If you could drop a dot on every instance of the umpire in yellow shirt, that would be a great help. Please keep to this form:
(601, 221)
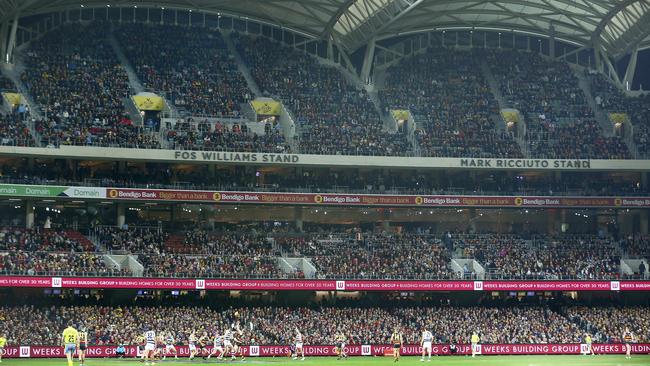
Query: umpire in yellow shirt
(70, 342)
(475, 339)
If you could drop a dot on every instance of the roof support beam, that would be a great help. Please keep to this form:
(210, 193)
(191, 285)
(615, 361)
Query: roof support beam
(630, 70)
(377, 22)
(11, 45)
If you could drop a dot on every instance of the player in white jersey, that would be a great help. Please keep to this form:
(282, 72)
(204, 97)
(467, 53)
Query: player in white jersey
(149, 347)
(192, 344)
(217, 346)
(299, 349)
(169, 346)
(228, 347)
(236, 342)
(427, 339)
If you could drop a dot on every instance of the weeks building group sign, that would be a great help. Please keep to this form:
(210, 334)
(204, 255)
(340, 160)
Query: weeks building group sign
(352, 350)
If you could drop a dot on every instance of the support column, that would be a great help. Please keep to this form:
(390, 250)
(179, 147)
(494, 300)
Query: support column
(367, 61)
(121, 215)
(29, 214)
(643, 222)
(298, 217)
(4, 33)
(12, 40)
(630, 70)
(551, 41)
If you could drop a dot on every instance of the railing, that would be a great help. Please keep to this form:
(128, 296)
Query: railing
(108, 182)
(449, 277)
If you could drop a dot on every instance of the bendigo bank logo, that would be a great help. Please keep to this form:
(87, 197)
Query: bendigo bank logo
(112, 193)
(216, 196)
(318, 198)
(418, 200)
(519, 201)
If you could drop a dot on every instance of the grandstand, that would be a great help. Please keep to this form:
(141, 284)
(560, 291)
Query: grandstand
(324, 172)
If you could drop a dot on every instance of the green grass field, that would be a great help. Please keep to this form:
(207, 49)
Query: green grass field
(609, 360)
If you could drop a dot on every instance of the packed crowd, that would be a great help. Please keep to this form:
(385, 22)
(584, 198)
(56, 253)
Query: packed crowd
(335, 118)
(373, 256)
(188, 135)
(32, 325)
(254, 252)
(559, 121)
(190, 66)
(131, 240)
(76, 78)
(612, 100)
(607, 324)
(55, 264)
(446, 89)
(566, 257)
(14, 131)
(30, 240)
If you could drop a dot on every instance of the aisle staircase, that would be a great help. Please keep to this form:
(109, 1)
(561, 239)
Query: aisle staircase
(241, 66)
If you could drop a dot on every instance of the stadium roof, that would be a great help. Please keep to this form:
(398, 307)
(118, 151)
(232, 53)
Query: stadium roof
(620, 25)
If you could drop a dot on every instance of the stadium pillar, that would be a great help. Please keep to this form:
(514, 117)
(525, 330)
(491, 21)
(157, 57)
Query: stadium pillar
(367, 61)
(4, 29)
(12, 40)
(643, 222)
(551, 41)
(644, 180)
(630, 70)
(121, 215)
(29, 214)
(298, 217)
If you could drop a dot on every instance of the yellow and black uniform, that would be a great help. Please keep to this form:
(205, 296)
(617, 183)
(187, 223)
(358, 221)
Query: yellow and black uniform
(588, 339)
(70, 336)
(396, 340)
(83, 341)
(3, 342)
(627, 337)
(475, 339)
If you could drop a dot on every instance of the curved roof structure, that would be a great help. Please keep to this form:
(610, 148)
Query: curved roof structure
(619, 26)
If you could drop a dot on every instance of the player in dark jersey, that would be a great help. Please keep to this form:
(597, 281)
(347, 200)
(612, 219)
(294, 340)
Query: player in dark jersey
(628, 339)
(83, 346)
(396, 340)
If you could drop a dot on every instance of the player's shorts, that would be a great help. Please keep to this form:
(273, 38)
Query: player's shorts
(217, 348)
(150, 347)
(397, 346)
(70, 348)
(426, 345)
(299, 345)
(192, 347)
(169, 346)
(341, 346)
(227, 344)
(82, 346)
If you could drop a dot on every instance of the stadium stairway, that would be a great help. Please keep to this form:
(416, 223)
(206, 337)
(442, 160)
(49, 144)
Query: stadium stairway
(13, 73)
(501, 101)
(601, 116)
(241, 66)
(134, 81)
